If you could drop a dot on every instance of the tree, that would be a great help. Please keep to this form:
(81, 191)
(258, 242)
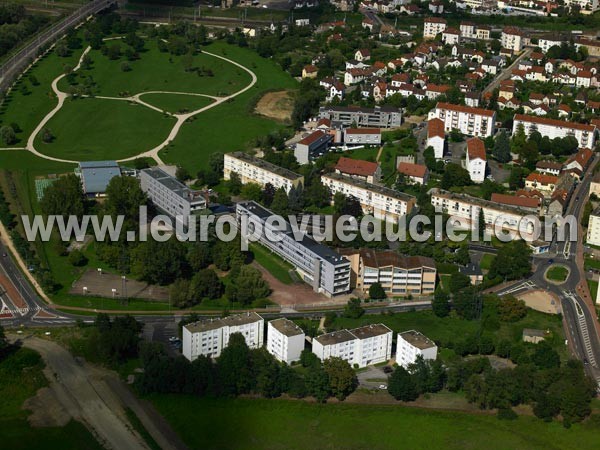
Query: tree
(280, 204)
(309, 359)
(467, 303)
(461, 256)
(159, 262)
(124, 196)
(251, 191)
(376, 292)
(458, 281)
(512, 261)
(545, 356)
(233, 367)
(125, 66)
(511, 309)
(180, 294)
(64, 197)
(455, 175)
(199, 256)
(235, 183)
(206, 283)
(268, 194)
(401, 385)
(342, 379)
(216, 162)
(353, 310)
(247, 285)
(440, 303)
(501, 149)
(8, 135)
(182, 174)
(77, 258)
(317, 383)
(47, 136)
(118, 339)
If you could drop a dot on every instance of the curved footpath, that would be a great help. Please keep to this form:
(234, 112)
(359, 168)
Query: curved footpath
(153, 152)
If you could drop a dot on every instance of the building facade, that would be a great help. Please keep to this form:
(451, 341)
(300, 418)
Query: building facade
(468, 120)
(312, 146)
(476, 160)
(553, 128)
(324, 269)
(171, 195)
(350, 116)
(285, 340)
(256, 170)
(410, 345)
(399, 276)
(593, 232)
(433, 26)
(381, 202)
(210, 336)
(436, 137)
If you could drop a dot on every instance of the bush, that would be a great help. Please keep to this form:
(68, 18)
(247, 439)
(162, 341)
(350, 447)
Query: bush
(77, 258)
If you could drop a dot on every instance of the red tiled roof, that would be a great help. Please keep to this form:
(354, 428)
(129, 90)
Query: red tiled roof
(514, 200)
(476, 148)
(542, 178)
(435, 127)
(356, 167)
(412, 170)
(465, 109)
(310, 68)
(583, 157)
(313, 137)
(554, 122)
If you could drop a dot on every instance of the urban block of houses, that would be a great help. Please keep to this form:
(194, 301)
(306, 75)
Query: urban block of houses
(209, 337)
(363, 170)
(324, 269)
(470, 121)
(255, 170)
(399, 276)
(476, 160)
(381, 202)
(554, 128)
(412, 344)
(285, 340)
(361, 347)
(540, 182)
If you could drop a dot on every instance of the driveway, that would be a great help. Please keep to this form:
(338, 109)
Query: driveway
(372, 377)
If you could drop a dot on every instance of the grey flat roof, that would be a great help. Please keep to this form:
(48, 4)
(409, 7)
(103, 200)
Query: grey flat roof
(173, 184)
(417, 339)
(369, 331)
(371, 187)
(318, 249)
(97, 174)
(220, 322)
(335, 337)
(265, 165)
(286, 327)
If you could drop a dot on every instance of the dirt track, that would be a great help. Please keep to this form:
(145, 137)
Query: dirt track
(97, 398)
(276, 105)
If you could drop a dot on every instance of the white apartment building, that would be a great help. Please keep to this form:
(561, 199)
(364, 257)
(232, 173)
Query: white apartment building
(285, 340)
(553, 128)
(170, 195)
(480, 4)
(547, 42)
(324, 269)
(468, 120)
(593, 231)
(433, 26)
(209, 337)
(463, 209)
(436, 137)
(512, 38)
(411, 344)
(256, 170)
(587, 6)
(362, 136)
(381, 202)
(476, 160)
(364, 346)
(468, 30)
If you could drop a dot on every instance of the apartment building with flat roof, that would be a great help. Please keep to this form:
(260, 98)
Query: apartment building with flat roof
(381, 202)
(285, 340)
(354, 116)
(255, 170)
(554, 128)
(209, 337)
(411, 344)
(466, 119)
(324, 269)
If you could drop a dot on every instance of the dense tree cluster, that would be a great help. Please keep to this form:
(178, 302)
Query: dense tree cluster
(240, 370)
(16, 25)
(418, 378)
(117, 340)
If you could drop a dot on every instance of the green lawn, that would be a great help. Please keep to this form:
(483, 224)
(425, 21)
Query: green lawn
(593, 286)
(156, 71)
(96, 129)
(230, 126)
(557, 273)
(277, 424)
(21, 375)
(272, 262)
(486, 261)
(591, 263)
(175, 103)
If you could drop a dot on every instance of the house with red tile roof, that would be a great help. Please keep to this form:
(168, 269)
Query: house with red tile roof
(476, 160)
(416, 173)
(356, 168)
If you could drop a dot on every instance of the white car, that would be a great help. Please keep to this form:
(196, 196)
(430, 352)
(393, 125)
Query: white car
(383, 386)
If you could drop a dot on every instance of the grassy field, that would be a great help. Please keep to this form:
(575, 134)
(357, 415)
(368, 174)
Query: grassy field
(486, 261)
(21, 375)
(156, 71)
(277, 424)
(230, 126)
(593, 286)
(175, 103)
(557, 273)
(97, 129)
(273, 263)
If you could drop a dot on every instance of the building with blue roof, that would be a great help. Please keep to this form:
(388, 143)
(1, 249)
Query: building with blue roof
(95, 175)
